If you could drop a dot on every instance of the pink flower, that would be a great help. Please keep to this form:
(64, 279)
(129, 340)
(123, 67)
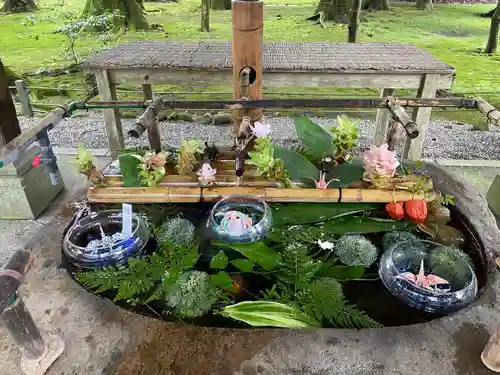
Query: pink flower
(260, 130)
(321, 183)
(206, 174)
(380, 161)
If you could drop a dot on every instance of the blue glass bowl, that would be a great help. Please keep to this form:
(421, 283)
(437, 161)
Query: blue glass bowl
(407, 256)
(88, 229)
(240, 219)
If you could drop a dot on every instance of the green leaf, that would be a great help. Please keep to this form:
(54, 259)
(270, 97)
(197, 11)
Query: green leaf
(346, 173)
(314, 137)
(257, 252)
(356, 224)
(309, 213)
(130, 171)
(341, 272)
(296, 164)
(219, 261)
(244, 265)
(222, 280)
(269, 314)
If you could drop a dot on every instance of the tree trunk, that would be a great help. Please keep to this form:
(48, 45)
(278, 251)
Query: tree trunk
(9, 124)
(220, 4)
(332, 10)
(375, 5)
(205, 15)
(425, 5)
(18, 6)
(354, 20)
(132, 11)
(488, 14)
(491, 47)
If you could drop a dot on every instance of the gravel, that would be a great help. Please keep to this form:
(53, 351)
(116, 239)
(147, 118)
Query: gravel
(445, 139)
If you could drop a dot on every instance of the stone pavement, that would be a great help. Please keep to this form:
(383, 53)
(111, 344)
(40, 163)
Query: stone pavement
(103, 339)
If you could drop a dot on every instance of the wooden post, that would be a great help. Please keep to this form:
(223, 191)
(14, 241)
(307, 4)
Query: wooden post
(353, 20)
(107, 91)
(382, 120)
(248, 24)
(147, 91)
(421, 116)
(153, 131)
(205, 15)
(149, 121)
(24, 97)
(9, 124)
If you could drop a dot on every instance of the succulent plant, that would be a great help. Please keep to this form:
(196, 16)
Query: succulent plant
(380, 165)
(345, 136)
(178, 230)
(87, 166)
(262, 157)
(188, 155)
(356, 250)
(193, 295)
(450, 263)
(152, 167)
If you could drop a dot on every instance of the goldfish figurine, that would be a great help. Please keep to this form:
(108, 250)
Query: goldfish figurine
(235, 223)
(430, 282)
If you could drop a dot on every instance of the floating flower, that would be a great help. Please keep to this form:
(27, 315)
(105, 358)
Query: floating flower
(206, 174)
(325, 245)
(380, 161)
(260, 130)
(321, 183)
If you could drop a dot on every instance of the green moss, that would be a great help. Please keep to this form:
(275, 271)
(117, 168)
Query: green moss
(356, 250)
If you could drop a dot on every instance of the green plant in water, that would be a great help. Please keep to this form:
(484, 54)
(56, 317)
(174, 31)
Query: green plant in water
(451, 263)
(192, 295)
(262, 157)
(345, 137)
(188, 155)
(151, 167)
(356, 250)
(177, 230)
(87, 167)
(396, 236)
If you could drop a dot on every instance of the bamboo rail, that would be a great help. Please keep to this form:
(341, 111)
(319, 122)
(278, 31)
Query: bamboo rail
(163, 194)
(488, 110)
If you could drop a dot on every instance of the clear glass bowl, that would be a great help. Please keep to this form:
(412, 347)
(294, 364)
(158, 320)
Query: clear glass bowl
(112, 252)
(408, 256)
(240, 219)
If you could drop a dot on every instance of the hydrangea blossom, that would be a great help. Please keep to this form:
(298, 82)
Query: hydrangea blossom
(206, 174)
(260, 130)
(380, 161)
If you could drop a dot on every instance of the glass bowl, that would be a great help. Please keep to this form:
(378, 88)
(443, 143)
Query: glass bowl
(240, 219)
(84, 247)
(446, 284)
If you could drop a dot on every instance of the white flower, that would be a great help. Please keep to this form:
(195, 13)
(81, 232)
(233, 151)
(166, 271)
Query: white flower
(325, 245)
(260, 130)
(206, 173)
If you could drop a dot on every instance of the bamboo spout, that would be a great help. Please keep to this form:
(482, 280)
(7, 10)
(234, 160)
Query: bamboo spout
(491, 113)
(402, 117)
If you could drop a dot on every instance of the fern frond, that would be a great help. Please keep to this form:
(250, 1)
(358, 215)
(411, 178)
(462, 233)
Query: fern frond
(325, 301)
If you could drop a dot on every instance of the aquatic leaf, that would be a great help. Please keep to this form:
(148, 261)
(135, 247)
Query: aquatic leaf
(309, 213)
(269, 314)
(296, 164)
(314, 136)
(244, 265)
(222, 280)
(219, 261)
(257, 252)
(129, 166)
(357, 224)
(341, 272)
(346, 173)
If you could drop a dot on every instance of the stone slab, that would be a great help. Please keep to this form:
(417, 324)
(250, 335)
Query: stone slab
(493, 196)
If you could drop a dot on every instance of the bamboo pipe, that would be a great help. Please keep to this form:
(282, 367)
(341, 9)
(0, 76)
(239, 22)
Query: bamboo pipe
(488, 110)
(402, 117)
(160, 194)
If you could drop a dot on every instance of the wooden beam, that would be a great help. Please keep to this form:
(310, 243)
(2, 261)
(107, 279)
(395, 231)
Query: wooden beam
(9, 124)
(112, 120)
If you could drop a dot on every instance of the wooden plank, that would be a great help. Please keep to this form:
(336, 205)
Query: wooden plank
(421, 116)
(382, 120)
(112, 120)
(9, 124)
(278, 79)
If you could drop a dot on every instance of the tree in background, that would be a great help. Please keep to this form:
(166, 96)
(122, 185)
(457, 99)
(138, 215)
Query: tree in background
(375, 5)
(220, 4)
(132, 11)
(492, 45)
(332, 10)
(18, 6)
(425, 5)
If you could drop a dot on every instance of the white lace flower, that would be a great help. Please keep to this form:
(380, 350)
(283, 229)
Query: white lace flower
(325, 245)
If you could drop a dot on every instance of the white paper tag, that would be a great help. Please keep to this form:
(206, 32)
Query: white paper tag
(127, 219)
